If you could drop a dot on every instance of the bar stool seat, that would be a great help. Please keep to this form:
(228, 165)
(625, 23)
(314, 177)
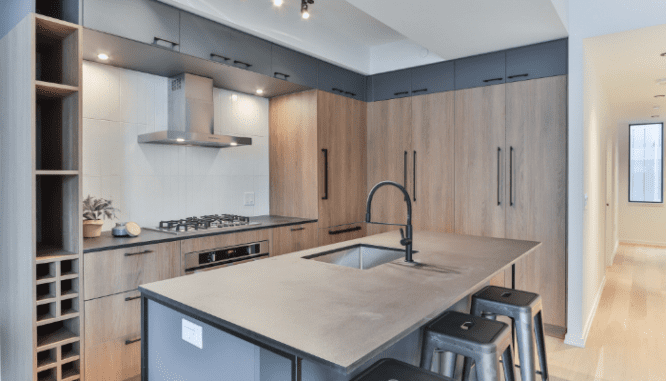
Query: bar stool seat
(390, 369)
(525, 309)
(473, 337)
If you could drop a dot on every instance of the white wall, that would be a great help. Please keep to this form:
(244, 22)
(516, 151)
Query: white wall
(149, 183)
(590, 18)
(638, 222)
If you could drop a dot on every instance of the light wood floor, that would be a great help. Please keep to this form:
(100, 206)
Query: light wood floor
(627, 339)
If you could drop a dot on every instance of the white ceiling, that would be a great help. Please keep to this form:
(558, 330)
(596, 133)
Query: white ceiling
(627, 66)
(374, 36)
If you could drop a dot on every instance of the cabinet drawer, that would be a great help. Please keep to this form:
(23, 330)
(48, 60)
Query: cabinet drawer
(122, 270)
(328, 236)
(113, 325)
(294, 67)
(146, 21)
(289, 239)
(483, 70)
(548, 59)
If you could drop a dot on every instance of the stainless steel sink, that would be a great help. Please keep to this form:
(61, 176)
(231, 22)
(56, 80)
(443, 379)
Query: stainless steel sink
(359, 256)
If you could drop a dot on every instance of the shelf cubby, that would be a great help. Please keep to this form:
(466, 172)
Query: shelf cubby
(55, 43)
(47, 375)
(63, 331)
(46, 311)
(70, 351)
(46, 358)
(57, 129)
(45, 272)
(69, 287)
(65, 10)
(46, 291)
(57, 216)
(69, 267)
(70, 369)
(69, 307)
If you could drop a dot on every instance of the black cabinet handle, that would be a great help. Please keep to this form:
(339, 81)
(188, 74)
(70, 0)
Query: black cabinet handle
(325, 151)
(129, 298)
(139, 253)
(128, 342)
(518, 76)
(499, 151)
(419, 91)
(401, 93)
(405, 170)
(247, 65)
(335, 232)
(285, 76)
(297, 229)
(351, 94)
(213, 55)
(167, 41)
(492, 80)
(337, 90)
(511, 176)
(414, 176)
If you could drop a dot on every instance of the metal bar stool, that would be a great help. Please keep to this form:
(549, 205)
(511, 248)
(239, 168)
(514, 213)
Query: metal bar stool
(390, 369)
(524, 308)
(473, 337)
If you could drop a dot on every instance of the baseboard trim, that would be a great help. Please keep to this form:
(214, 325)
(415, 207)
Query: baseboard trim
(580, 341)
(642, 243)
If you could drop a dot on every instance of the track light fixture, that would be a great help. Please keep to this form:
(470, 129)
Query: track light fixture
(304, 8)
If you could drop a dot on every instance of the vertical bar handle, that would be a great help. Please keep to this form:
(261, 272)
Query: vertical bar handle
(511, 176)
(325, 151)
(405, 171)
(499, 152)
(414, 174)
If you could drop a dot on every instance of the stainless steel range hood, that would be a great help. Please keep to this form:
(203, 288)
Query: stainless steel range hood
(191, 116)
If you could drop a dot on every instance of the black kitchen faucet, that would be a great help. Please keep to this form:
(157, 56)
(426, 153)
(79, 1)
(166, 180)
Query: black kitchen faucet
(406, 240)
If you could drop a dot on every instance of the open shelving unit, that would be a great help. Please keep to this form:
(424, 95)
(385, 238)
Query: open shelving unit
(57, 185)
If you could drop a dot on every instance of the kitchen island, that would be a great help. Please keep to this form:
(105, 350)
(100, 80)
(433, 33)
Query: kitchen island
(293, 318)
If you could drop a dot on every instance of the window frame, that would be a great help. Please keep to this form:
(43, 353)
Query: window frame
(661, 169)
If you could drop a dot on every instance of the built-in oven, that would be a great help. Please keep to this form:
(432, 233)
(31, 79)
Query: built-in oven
(225, 256)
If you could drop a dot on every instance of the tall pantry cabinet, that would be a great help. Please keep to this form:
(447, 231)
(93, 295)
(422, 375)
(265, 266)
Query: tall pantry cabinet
(510, 175)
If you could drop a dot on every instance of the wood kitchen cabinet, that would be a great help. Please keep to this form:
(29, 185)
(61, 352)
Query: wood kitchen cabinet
(536, 142)
(289, 239)
(317, 157)
(336, 234)
(480, 201)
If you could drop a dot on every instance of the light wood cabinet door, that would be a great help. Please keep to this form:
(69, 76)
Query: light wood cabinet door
(479, 161)
(433, 162)
(389, 145)
(293, 155)
(112, 340)
(122, 270)
(536, 141)
(336, 234)
(342, 159)
(289, 239)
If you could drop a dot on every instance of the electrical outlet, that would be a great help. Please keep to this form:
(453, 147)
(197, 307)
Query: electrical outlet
(249, 199)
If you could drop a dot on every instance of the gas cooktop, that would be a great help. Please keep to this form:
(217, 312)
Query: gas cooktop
(201, 224)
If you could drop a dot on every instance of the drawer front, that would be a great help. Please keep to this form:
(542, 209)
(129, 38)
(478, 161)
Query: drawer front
(112, 326)
(294, 67)
(122, 270)
(435, 78)
(224, 240)
(329, 236)
(289, 239)
(548, 59)
(484, 70)
(396, 84)
(146, 21)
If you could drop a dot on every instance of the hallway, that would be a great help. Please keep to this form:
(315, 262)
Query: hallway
(627, 340)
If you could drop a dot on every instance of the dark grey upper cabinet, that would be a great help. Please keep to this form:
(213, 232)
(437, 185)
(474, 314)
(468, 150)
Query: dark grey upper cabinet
(250, 53)
(294, 67)
(205, 39)
(483, 70)
(435, 78)
(537, 61)
(395, 84)
(141, 20)
(340, 81)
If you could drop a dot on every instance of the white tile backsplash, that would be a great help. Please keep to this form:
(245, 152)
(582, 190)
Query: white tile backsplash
(149, 183)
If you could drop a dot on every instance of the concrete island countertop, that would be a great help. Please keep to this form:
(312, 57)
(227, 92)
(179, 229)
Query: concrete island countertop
(341, 316)
(148, 237)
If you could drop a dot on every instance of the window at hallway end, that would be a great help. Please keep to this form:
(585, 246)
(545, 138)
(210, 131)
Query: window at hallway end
(646, 163)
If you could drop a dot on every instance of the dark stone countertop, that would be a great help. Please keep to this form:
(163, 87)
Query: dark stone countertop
(147, 237)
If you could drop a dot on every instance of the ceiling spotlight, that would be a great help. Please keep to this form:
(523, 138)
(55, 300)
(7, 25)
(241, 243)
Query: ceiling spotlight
(260, 91)
(277, 3)
(304, 8)
(103, 56)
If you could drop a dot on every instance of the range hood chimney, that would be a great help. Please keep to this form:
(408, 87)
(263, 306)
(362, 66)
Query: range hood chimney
(191, 116)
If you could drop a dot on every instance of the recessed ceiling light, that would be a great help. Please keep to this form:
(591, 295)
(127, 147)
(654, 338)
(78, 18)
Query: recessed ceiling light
(103, 56)
(234, 97)
(660, 96)
(233, 143)
(180, 140)
(277, 3)
(260, 91)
